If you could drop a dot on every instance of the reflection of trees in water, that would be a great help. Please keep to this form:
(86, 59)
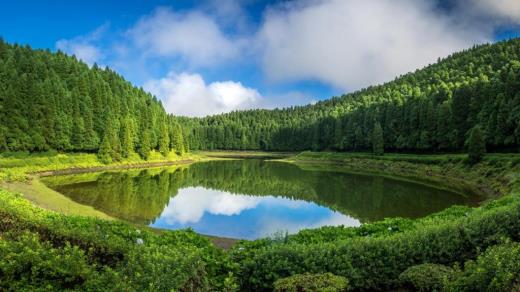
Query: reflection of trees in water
(141, 196)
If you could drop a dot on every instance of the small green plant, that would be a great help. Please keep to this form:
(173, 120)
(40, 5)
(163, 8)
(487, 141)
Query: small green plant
(311, 282)
(476, 145)
(498, 269)
(426, 277)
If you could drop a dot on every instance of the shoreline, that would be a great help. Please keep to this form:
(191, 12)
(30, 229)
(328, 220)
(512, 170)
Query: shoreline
(34, 189)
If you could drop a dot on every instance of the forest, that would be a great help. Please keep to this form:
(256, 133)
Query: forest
(430, 110)
(53, 101)
(58, 113)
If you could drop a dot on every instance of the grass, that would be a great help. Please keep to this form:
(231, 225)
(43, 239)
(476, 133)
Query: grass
(20, 173)
(19, 166)
(369, 257)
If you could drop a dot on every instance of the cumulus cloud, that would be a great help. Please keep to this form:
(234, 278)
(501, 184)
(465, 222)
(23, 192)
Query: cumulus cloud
(500, 11)
(271, 226)
(352, 44)
(347, 44)
(84, 47)
(193, 37)
(190, 204)
(189, 95)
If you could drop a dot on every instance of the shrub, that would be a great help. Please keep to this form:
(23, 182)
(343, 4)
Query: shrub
(26, 263)
(426, 277)
(498, 269)
(375, 263)
(311, 282)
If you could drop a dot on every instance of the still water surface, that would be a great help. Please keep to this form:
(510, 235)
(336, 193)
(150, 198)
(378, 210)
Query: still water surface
(252, 198)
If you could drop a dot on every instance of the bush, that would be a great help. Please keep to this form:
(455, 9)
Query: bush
(26, 263)
(40, 249)
(426, 277)
(498, 269)
(375, 263)
(311, 282)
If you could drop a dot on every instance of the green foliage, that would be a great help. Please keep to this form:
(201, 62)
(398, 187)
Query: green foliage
(426, 277)
(27, 263)
(476, 145)
(105, 151)
(498, 269)
(54, 101)
(311, 282)
(40, 249)
(375, 263)
(378, 144)
(428, 110)
(164, 142)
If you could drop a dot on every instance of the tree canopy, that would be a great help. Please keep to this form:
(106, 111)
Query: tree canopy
(53, 101)
(429, 110)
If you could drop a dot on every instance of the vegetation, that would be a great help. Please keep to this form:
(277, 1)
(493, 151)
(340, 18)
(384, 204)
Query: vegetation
(469, 101)
(476, 145)
(429, 110)
(426, 277)
(40, 249)
(370, 257)
(311, 282)
(50, 101)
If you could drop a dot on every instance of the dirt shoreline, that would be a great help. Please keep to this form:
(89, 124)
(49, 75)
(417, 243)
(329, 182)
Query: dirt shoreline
(222, 242)
(77, 170)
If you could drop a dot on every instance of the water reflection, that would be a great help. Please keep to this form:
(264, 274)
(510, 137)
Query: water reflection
(251, 198)
(241, 216)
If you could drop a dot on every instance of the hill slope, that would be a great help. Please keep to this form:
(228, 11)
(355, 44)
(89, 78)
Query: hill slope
(431, 109)
(53, 101)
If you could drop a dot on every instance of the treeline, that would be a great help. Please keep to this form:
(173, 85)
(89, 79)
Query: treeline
(53, 101)
(429, 110)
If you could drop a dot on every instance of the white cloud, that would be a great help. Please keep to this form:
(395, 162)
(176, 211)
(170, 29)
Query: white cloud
(348, 44)
(270, 227)
(500, 10)
(189, 95)
(352, 44)
(83, 47)
(190, 204)
(194, 37)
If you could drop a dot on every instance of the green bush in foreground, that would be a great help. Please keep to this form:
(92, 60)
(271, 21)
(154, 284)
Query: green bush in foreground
(40, 249)
(426, 277)
(311, 282)
(498, 269)
(375, 263)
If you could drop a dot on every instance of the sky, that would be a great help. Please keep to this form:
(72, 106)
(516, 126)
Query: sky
(212, 56)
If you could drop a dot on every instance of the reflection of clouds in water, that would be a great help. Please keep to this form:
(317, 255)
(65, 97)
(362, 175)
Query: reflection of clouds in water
(270, 227)
(190, 204)
(254, 216)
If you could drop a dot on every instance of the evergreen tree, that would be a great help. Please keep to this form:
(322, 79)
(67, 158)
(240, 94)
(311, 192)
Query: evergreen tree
(177, 141)
(105, 151)
(476, 145)
(144, 145)
(164, 141)
(378, 147)
(127, 141)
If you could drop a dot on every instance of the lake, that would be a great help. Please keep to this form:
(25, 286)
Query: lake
(251, 199)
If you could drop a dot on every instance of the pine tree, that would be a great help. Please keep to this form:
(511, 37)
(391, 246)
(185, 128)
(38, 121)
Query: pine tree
(127, 140)
(476, 145)
(105, 151)
(164, 141)
(177, 140)
(378, 146)
(144, 145)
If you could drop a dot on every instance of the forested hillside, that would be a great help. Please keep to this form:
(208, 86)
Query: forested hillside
(432, 109)
(53, 101)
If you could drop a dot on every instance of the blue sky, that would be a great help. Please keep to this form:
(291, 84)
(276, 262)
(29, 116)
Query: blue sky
(211, 56)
